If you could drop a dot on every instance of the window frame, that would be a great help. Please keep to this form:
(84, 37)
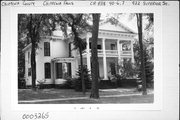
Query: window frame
(29, 72)
(59, 71)
(47, 70)
(46, 48)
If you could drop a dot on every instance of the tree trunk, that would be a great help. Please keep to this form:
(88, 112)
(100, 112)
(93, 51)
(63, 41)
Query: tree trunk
(139, 24)
(33, 55)
(33, 66)
(94, 67)
(82, 75)
(81, 58)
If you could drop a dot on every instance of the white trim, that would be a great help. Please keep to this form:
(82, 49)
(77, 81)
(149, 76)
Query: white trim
(88, 55)
(104, 60)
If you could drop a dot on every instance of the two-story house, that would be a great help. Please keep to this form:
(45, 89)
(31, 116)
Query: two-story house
(55, 57)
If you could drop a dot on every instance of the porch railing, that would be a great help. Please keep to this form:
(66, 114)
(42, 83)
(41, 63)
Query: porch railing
(125, 52)
(112, 52)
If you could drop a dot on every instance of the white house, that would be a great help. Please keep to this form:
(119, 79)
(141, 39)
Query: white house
(55, 58)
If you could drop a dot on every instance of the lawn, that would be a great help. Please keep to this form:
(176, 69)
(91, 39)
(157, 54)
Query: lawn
(106, 100)
(66, 96)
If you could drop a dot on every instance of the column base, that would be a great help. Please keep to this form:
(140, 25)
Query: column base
(105, 79)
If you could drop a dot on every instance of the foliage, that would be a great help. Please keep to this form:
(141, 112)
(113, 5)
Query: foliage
(149, 65)
(29, 27)
(79, 25)
(68, 83)
(21, 59)
(41, 83)
(128, 70)
(21, 83)
(77, 82)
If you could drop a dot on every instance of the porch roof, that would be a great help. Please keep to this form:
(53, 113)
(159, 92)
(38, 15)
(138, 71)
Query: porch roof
(63, 59)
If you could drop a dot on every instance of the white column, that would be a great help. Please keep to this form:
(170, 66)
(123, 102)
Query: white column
(52, 71)
(88, 54)
(104, 59)
(119, 53)
(132, 52)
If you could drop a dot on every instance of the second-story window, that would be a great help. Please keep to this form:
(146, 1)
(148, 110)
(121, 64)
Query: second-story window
(99, 47)
(112, 46)
(46, 49)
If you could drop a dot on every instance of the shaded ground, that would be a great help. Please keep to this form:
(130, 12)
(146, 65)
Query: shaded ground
(106, 100)
(66, 96)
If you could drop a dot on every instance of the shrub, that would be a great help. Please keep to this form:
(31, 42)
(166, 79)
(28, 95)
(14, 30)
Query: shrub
(41, 83)
(21, 83)
(68, 83)
(77, 83)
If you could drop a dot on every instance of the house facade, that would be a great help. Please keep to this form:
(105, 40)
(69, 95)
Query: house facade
(56, 58)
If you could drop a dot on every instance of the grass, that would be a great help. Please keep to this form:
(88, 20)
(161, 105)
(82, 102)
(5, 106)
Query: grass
(106, 96)
(28, 94)
(106, 100)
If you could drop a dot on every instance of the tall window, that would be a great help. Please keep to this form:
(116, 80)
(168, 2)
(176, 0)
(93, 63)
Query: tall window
(63, 70)
(47, 69)
(29, 71)
(69, 69)
(46, 49)
(29, 57)
(59, 71)
(70, 50)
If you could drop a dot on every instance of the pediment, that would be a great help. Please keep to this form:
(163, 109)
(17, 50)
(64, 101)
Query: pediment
(107, 26)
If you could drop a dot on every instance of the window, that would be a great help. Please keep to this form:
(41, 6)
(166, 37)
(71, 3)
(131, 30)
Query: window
(63, 70)
(29, 71)
(59, 72)
(70, 50)
(47, 69)
(126, 46)
(90, 45)
(112, 46)
(29, 57)
(69, 69)
(98, 46)
(46, 49)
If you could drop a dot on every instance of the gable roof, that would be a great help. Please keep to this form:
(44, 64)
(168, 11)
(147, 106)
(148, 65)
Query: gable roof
(118, 28)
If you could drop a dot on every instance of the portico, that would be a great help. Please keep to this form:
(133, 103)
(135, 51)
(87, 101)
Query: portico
(115, 46)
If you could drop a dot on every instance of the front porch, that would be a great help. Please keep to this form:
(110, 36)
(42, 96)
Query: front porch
(62, 68)
(111, 53)
(106, 70)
